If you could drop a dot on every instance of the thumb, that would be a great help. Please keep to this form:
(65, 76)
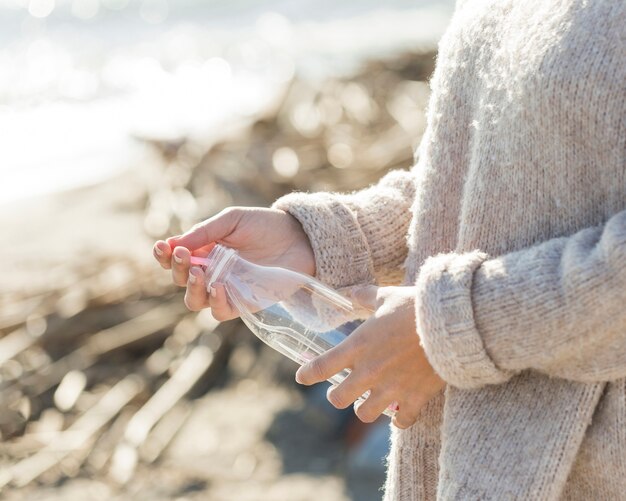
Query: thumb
(205, 233)
(327, 364)
(365, 296)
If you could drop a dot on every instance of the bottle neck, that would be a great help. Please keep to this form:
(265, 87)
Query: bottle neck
(219, 263)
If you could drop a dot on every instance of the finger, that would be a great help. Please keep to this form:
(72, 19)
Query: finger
(209, 231)
(374, 405)
(326, 365)
(343, 395)
(403, 420)
(220, 305)
(163, 254)
(203, 251)
(196, 294)
(365, 296)
(180, 265)
(408, 410)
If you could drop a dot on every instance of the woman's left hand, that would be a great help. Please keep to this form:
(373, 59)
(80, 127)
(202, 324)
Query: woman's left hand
(384, 356)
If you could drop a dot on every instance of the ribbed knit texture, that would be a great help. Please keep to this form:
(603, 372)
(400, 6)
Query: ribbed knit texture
(512, 226)
(350, 248)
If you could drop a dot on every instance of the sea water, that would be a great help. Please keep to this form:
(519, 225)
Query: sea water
(81, 80)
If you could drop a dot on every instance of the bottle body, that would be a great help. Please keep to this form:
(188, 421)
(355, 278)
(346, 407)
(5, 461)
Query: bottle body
(293, 313)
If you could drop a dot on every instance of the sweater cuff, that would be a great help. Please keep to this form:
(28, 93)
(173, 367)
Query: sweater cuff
(445, 321)
(342, 255)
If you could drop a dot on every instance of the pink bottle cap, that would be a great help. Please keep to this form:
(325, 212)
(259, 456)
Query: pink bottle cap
(200, 261)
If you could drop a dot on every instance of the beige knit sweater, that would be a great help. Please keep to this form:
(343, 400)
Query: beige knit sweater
(512, 224)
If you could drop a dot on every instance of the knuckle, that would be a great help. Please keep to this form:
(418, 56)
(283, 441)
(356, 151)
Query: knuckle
(190, 303)
(370, 374)
(317, 368)
(181, 282)
(357, 342)
(356, 349)
(233, 212)
(416, 401)
(337, 399)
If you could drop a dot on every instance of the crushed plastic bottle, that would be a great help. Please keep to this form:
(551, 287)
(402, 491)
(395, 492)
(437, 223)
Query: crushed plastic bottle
(293, 313)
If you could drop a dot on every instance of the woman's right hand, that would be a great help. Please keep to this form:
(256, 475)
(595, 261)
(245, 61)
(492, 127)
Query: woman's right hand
(269, 237)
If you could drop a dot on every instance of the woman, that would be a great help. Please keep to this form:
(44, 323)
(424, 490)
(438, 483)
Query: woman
(506, 346)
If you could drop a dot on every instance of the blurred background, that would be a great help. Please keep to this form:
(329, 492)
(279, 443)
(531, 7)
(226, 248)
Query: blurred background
(125, 121)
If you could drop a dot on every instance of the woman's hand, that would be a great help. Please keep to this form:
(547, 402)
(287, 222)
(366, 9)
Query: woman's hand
(262, 236)
(384, 355)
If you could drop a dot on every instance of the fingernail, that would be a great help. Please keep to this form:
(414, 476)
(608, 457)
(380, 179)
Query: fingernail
(212, 291)
(158, 251)
(194, 274)
(299, 375)
(177, 259)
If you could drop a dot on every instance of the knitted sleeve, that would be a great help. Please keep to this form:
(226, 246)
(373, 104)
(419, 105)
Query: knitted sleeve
(358, 237)
(558, 307)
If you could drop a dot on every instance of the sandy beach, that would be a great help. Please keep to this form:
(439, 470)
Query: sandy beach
(55, 230)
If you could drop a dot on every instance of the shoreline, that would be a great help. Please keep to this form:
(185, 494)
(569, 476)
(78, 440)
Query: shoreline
(52, 230)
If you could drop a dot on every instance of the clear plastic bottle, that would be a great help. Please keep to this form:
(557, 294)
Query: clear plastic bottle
(293, 313)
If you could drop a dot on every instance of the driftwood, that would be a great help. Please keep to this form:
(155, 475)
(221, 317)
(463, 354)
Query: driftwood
(77, 435)
(140, 440)
(101, 343)
(63, 453)
(190, 370)
(164, 431)
(17, 341)
(20, 310)
(104, 447)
